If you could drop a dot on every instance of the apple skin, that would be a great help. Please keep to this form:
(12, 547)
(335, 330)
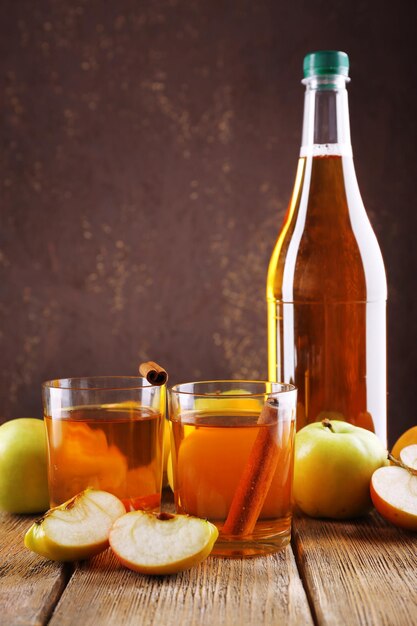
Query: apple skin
(333, 469)
(23, 466)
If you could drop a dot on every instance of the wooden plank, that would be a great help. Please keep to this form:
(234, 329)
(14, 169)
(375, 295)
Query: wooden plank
(220, 592)
(29, 585)
(358, 573)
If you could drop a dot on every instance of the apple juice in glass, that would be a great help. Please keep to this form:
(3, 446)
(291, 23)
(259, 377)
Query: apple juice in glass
(105, 433)
(232, 451)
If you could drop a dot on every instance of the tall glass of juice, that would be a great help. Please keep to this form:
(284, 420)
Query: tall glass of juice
(105, 433)
(232, 451)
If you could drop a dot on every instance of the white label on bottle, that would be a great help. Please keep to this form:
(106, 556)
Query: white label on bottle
(326, 149)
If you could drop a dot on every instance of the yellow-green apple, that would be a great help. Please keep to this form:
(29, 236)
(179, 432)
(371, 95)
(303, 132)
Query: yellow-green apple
(152, 543)
(76, 529)
(334, 463)
(23, 466)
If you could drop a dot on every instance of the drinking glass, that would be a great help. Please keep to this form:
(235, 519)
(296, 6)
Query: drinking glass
(232, 452)
(105, 433)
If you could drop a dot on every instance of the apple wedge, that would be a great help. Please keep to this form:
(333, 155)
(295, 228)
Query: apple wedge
(152, 543)
(394, 490)
(77, 529)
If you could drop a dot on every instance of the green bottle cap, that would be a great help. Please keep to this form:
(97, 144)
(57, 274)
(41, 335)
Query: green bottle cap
(326, 62)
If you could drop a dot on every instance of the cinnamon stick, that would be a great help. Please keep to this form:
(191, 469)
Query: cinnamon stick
(154, 373)
(256, 478)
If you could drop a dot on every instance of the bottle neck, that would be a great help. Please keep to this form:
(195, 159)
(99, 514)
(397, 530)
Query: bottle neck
(326, 129)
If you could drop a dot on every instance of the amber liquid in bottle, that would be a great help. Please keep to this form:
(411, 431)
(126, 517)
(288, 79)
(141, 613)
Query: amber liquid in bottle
(326, 287)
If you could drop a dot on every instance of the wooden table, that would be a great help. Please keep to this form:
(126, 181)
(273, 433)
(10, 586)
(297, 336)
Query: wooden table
(362, 572)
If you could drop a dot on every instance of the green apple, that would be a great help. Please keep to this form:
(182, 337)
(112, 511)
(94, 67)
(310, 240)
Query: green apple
(334, 463)
(23, 466)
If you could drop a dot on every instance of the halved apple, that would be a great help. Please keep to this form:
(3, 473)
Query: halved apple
(407, 439)
(394, 490)
(152, 543)
(408, 456)
(77, 529)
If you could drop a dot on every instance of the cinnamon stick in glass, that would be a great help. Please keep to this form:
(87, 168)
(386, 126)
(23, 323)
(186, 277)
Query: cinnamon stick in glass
(256, 478)
(154, 373)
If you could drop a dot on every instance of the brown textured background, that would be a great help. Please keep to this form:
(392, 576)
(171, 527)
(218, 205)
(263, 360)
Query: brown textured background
(148, 154)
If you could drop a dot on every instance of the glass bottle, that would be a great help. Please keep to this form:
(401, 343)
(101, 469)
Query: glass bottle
(326, 287)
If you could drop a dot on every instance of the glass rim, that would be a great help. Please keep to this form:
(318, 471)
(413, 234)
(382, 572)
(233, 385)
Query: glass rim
(142, 383)
(285, 388)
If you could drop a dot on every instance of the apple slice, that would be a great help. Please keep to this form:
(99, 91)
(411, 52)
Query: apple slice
(152, 543)
(408, 456)
(394, 490)
(77, 529)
